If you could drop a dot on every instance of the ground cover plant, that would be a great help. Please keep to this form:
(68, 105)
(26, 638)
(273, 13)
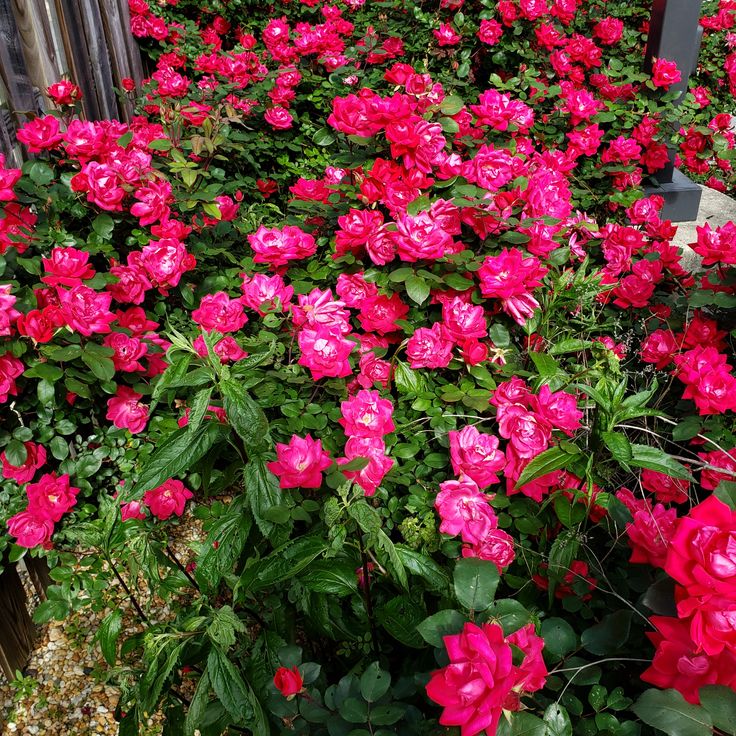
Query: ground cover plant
(373, 291)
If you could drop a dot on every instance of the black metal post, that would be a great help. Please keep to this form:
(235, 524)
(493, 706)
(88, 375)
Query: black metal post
(675, 34)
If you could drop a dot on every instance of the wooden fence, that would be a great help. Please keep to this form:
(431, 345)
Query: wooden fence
(41, 41)
(17, 632)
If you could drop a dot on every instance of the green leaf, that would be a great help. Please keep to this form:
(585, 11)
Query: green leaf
(726, 491)
(224, 626)
(198, 409)
(424, 566)
(108, 634)
(408, 381)
(451, 105)
(401, 617)
(557, 721)
(41, 174)
(86, 466)
(225, 543)
(103, 225)
(374, 683)
(652, 458)
(59, 448)
(336, 577)
(417, 289)
(571, 345)
(509, 614)
(245, 416)
(559, 637)
(262, 492)
(619, 446)
(177, 454)
(499, 335)
(160, 144)
(323, 137)
(198, 706)
(16, 453)
(609, 636)
(522, 724)
(229, 686)
(669, 712)
(475, 583)
(556, 458)
(720, 702)
(102, 367)
(285, 562)
(441, 624)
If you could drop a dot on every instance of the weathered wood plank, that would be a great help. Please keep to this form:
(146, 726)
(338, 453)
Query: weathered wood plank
(38, 571)
(17, 632)
(13, 69)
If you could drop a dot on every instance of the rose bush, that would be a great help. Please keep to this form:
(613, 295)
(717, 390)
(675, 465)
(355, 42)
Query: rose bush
(372, 291)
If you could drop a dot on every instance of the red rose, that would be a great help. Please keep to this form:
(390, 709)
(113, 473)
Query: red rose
(288, 681)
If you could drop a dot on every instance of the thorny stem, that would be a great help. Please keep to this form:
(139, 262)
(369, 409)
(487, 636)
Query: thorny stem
(367, 597)
(127, 590)
(172, 556)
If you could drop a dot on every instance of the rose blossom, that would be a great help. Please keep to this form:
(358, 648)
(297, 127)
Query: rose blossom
(476, 455)
(288, 682)
(367, 415)
(51, 497)
(300, 463)
(35, 458)
(168, 499)
(125, 411)
(30, 530)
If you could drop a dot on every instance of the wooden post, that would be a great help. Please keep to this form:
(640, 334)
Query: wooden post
(674, 34)
(17, 632)
(38, 571)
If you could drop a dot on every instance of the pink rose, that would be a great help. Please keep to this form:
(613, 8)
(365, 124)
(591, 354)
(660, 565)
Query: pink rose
(665, 73)
(30, 530)
(279, 118)
(463, 320)
(10, 369)
(379, 313)
(367, 415)
(40, 134)
(429, 347)
(51, 497)
(374, 450)
(702, 551)
(85, 310)
(277, 247)
(266, 293)
(325, 352)
(476, 455)
(219, 312)
(125, 411)
(300, 463)
(66, 267)
(128, 351)
(288, 682)
(35, 458)
(464, 510)
(529, 433)
(132, 510)
(64, 92)
(168, 499)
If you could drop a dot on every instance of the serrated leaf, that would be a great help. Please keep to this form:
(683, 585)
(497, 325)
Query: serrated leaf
(652, 458)
(547, 462)
(178, 453)
(229, 686)
(108, 633)
(245, 416)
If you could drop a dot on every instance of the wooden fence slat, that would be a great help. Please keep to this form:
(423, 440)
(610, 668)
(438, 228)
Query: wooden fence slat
(38, 571)
(17, 632)
(12, 65)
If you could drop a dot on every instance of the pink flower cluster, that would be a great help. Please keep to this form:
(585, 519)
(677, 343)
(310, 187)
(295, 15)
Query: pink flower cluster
(699, 647)
(49, 499)
(300, 463)
(366, 419)
(464, 510)
(482, 680)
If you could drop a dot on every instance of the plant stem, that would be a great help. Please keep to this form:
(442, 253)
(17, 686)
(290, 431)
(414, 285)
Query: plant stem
(367, 597)
(127, 590)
